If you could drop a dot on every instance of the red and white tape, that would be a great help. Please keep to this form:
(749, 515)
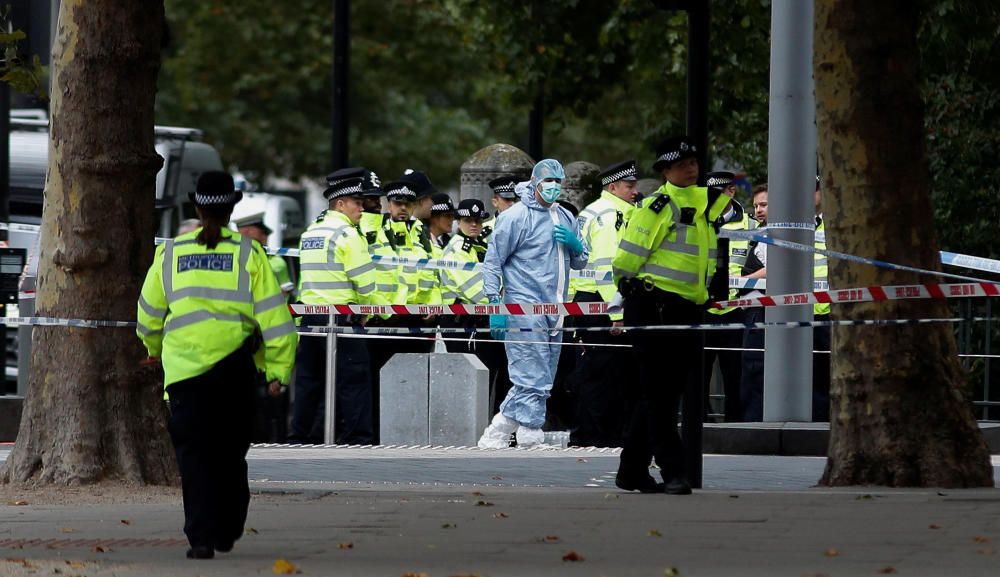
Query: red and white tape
(555, 309)
(870, 294)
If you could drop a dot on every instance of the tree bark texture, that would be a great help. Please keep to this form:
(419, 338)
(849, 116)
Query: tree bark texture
(900, 415)
(91, 413)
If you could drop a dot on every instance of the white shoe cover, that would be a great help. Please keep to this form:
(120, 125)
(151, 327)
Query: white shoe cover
(527, 438)
(497, 433)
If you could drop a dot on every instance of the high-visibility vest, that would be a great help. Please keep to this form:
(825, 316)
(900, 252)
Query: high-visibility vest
(335, 265)
(199, 305)
(389, 284)
(820, 269)
(739, 250)
(463, 286)
(421, 282)
(602, 225)
(671, 242)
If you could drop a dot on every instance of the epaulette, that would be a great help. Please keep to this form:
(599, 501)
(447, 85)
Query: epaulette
(487, 230)
(659, 202)
(371, 236)
(467, 244)
(321, 216)
(619, 219)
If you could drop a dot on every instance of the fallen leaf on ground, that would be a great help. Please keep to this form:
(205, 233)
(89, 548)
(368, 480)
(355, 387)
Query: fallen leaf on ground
(734, 496)
(66, 530)
(347, 545)
(477, 493)
(500, 515)
(415, 575)
(99, 549)
(981, 539)
(572, 556)
(282, 567)
(581, 460)
(76, 564)
(831, 552)
(671, 572)
(654, 533)
(887, 570)
(126, 522)
(863, 498)
(251, 531)
(934, 526)
(551, 538)
(497, 478)
(483, 504)
(17, 503)
(448, 526)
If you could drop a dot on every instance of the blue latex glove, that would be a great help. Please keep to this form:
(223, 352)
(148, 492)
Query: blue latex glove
(566, 237)
(497, 322)
(497, 325)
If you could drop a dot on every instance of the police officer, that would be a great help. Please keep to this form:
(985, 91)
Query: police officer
(208, 303)
(336, 269)
(752, 371)
(662, 267)
(730, 361)
(504, 197)
(422, 282)
(821, 312)
(254, 227)
(600, 372)
(440, 223)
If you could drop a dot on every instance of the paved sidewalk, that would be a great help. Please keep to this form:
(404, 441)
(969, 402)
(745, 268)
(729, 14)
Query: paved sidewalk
(444, 512)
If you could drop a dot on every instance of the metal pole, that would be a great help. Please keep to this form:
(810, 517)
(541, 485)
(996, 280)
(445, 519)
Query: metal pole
(4, 158)
(697, 79)
(536, 126)
(330, 420)
(791, 180)
(986, 363)
(340, 121)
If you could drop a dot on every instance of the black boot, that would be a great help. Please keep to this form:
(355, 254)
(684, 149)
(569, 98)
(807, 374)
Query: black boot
(643, 485)
(677, 486)
(200, 552)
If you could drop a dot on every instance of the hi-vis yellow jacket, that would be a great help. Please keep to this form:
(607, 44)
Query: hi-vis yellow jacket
(199, 305)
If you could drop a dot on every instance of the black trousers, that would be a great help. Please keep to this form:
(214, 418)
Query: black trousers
(730, 362)
(752, 378)
(821, 372)
(598, 381)
(353, 382)
(211, 422)
(667, 360)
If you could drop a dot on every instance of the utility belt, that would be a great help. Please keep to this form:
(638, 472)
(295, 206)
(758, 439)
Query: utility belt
(644, 289)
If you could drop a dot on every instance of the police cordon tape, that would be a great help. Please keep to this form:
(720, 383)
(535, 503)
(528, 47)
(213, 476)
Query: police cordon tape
(870, 294)
(430, 331)
(512, 309)
(764, 238)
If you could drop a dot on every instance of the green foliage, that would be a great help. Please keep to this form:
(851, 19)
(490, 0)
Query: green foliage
(25, 77)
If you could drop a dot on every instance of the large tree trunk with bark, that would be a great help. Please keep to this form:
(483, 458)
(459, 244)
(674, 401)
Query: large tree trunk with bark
(92, 413)
(899, 412)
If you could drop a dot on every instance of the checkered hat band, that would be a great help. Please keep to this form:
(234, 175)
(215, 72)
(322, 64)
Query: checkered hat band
(509, 187)
(616, 176)
(403, 191)
(670, 156)
(718, 181)
(350, 190)
(469, 213)
(209, 199)
(442, 208)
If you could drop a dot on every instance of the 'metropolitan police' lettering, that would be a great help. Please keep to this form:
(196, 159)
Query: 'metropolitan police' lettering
(212, 262)
(313, 242)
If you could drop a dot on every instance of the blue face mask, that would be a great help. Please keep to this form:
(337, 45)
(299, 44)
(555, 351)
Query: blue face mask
(551, 191)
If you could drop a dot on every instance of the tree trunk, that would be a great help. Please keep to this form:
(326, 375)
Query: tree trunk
(900, 415)
(91, 413)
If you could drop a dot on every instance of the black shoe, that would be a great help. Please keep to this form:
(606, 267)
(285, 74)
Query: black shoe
(224, 546)
(200, 552)
(677, 486)
(647, 485)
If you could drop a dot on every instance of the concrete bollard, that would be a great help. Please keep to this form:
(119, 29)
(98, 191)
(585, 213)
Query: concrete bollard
(403, 400)
(459, 399)
(433, 399)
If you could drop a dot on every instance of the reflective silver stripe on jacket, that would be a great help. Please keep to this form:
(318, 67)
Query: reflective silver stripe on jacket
(150, 309)
(680, 245)
(669, 273)
(203, 315)
(360, 270)
(271, 302)
(146, 331)
(632, 248)
(322, 266)
(328, 285)
(385, 288)
(281, 330)
(606, 261)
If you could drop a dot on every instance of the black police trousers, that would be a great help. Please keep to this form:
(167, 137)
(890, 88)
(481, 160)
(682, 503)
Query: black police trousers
(211, 422)
(666, 361)
(599, 381)
(353, 388)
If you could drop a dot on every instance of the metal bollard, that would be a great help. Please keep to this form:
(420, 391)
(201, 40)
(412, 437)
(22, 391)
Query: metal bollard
(330, 421)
